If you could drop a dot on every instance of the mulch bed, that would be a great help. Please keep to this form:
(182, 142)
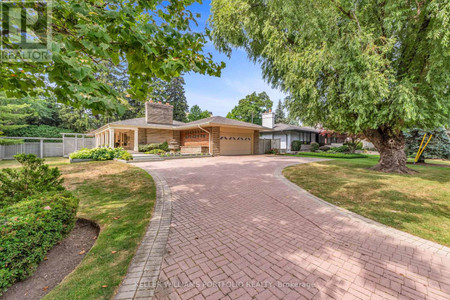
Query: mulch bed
(61, 260)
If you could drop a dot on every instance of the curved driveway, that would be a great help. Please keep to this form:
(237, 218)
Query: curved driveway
(240, 231)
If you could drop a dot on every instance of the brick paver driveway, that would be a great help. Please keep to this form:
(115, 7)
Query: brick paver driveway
(239, 231)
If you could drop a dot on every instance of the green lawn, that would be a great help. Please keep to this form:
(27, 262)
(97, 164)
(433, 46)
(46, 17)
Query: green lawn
(48, 160)
(120, 198)
(418, 204)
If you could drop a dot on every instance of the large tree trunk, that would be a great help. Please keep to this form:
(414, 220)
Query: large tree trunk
(391, 145)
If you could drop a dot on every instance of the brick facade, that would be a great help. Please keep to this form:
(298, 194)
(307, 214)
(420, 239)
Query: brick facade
(255, 142)
(158, 113)
(215, 141)
(150, 136)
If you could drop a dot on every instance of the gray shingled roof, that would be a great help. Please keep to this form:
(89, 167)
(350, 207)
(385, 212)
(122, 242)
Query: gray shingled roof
(287, 127)
(217, 120)
(221, 121)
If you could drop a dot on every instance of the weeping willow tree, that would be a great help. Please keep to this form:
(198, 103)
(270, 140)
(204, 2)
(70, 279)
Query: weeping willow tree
(371, 67)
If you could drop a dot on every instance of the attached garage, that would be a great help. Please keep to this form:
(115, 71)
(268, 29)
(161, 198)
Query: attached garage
(234, 142)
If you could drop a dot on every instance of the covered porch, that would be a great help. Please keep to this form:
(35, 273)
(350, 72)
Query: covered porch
(126, 138)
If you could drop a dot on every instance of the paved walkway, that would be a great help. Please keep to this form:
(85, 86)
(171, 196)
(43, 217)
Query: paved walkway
(240, 231)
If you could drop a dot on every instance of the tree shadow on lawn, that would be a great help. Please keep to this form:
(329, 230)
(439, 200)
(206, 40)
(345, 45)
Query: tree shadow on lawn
(258, 225)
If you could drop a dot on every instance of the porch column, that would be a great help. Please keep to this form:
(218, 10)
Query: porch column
(136, 140)
(111, 137)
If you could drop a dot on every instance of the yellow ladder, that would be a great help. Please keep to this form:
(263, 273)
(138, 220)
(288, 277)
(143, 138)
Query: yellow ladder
(420, 151)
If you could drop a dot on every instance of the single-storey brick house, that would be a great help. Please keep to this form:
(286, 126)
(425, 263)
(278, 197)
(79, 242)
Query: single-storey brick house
(214, 135)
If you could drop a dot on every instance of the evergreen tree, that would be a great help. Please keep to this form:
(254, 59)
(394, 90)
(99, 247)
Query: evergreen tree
(280, 116)
(438, 147)
(12, 117)
(175, 96)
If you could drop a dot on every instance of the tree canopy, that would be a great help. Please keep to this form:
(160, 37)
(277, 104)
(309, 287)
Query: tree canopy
(372, 67)
(151, 38)
(250, 108)
(196, 113)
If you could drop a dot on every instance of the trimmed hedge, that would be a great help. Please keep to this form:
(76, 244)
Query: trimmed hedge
(331, 155)
(29, 229)
(38, 131)
(101, 154)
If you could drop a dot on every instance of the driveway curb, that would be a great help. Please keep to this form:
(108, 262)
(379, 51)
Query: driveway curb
(404, 236)
(143, 272)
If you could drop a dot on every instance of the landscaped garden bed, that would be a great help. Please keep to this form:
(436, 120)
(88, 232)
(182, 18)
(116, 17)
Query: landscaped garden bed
(99, 154)
(416, 203)
(119, 198)
(36, 212)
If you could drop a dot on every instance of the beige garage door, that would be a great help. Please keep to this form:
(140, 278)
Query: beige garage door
(235, 143)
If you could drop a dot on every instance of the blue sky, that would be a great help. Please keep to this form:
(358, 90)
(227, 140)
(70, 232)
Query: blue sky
(239, 78)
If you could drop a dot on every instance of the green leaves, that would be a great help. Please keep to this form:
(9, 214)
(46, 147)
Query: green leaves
(348, 66)
(153, 38)
(251, 108)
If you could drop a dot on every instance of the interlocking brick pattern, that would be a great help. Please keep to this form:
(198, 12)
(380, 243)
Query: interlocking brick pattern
(239, 231)
(145, 267)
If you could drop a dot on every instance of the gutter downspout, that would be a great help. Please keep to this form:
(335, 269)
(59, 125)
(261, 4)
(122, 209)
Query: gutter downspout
(209, 138)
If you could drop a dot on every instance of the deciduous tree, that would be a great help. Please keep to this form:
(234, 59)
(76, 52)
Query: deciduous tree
(372, 67)
(196, 113)
(152, 38)
(250, 108)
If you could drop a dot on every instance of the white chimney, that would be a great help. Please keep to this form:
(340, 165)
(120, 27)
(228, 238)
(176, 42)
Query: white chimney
(268, 119)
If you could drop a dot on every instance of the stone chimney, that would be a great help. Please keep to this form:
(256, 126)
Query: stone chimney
(268, 119)
(158, 113)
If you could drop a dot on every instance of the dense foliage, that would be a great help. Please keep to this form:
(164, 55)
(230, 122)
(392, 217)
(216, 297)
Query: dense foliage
(101, 154)
(149, 147)
(11, 116)
(296, 145)
(152, 38)
(29, 229)
(33, 178)
(280, 116)
(250, 108)
(352, 66)
(438, 147)
(45, 131)
(36, 212)
(314, 146)
(196, 113)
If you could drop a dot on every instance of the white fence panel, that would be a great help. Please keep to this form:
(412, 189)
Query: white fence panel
(47, 147)
(53, 149)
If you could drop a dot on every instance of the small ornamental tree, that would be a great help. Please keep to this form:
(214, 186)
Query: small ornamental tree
(438, 147)
(371, 67)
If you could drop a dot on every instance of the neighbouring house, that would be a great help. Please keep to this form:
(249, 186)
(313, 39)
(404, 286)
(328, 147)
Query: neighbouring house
(214, 135)
(287, 133)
